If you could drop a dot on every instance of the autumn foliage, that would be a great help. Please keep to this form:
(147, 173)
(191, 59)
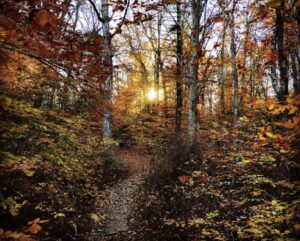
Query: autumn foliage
(206, 93)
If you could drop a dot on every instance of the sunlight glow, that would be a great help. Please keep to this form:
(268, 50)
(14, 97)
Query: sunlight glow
(151, 94)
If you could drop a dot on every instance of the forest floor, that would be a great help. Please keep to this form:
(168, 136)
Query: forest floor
(115, 203)
(244, 185)
(244, 189)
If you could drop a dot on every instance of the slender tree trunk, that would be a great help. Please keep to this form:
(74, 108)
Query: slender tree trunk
(243, 78)
(64, 98)
(252, 77)
(193, 85)
(295, 60)
(178, 70)
(282, 58)
(295, 74)
(108, 85)
(51, 97)
(273, 73)
(210, 99)
(158, 60)
(145, 81)
(164, 87)
(221, 70)
(234, 67)
(297, 17)
(38, 100)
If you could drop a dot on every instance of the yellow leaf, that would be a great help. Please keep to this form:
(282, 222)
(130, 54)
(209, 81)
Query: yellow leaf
(269, 134)
(59, 215)
(293, 110)
(255, 231)
(271, 107)
(29, 173)
(257, 221)
(244, 162)
(256, 193)
(95, 217)
(274, 202)
(283, 151)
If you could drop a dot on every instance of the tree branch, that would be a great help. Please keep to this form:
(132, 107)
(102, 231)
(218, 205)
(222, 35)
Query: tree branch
(96, 11)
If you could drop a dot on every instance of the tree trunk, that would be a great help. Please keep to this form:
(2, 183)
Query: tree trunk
(38, 100)
(295, 74)
(252, 77)
(158, 60)
(246, 40)
(282, 58)
(145, 82)
(273, 73)
(234, 67)
(193, 85)
(221, 70)
(107, 122)
(179, 96)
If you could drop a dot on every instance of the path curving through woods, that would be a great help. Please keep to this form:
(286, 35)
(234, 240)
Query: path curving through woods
(115, 204)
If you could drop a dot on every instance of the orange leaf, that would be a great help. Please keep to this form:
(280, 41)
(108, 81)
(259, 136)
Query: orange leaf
(34, 228)
(184, 179)
(42, 18)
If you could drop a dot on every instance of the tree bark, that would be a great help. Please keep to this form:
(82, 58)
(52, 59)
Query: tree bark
(234, 67)
(179, 45)
(245, 54)
(273, 68)
(158, 60)
(108, 84)
(193, 84)
(282, 58)
(295, 74)
(221, 70)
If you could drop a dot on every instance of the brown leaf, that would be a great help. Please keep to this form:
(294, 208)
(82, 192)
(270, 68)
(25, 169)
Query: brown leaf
(218, 19)
(42, 18)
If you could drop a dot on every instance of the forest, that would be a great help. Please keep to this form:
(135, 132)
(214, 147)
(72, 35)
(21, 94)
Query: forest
(149, 120)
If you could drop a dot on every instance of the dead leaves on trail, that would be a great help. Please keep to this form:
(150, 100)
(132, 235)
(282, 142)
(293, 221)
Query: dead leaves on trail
(196, 178)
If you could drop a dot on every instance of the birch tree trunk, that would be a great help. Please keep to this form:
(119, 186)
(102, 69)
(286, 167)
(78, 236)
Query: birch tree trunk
(108, 84)
(178, 70)
(193, 84)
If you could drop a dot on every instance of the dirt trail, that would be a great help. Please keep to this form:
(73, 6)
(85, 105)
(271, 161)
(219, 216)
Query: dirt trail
(115, 204)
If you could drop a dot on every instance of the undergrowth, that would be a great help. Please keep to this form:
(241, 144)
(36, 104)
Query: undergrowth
(244, 189)
(50, 169)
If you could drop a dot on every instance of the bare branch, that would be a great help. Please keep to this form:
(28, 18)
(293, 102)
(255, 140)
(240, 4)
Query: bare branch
(96, 11)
